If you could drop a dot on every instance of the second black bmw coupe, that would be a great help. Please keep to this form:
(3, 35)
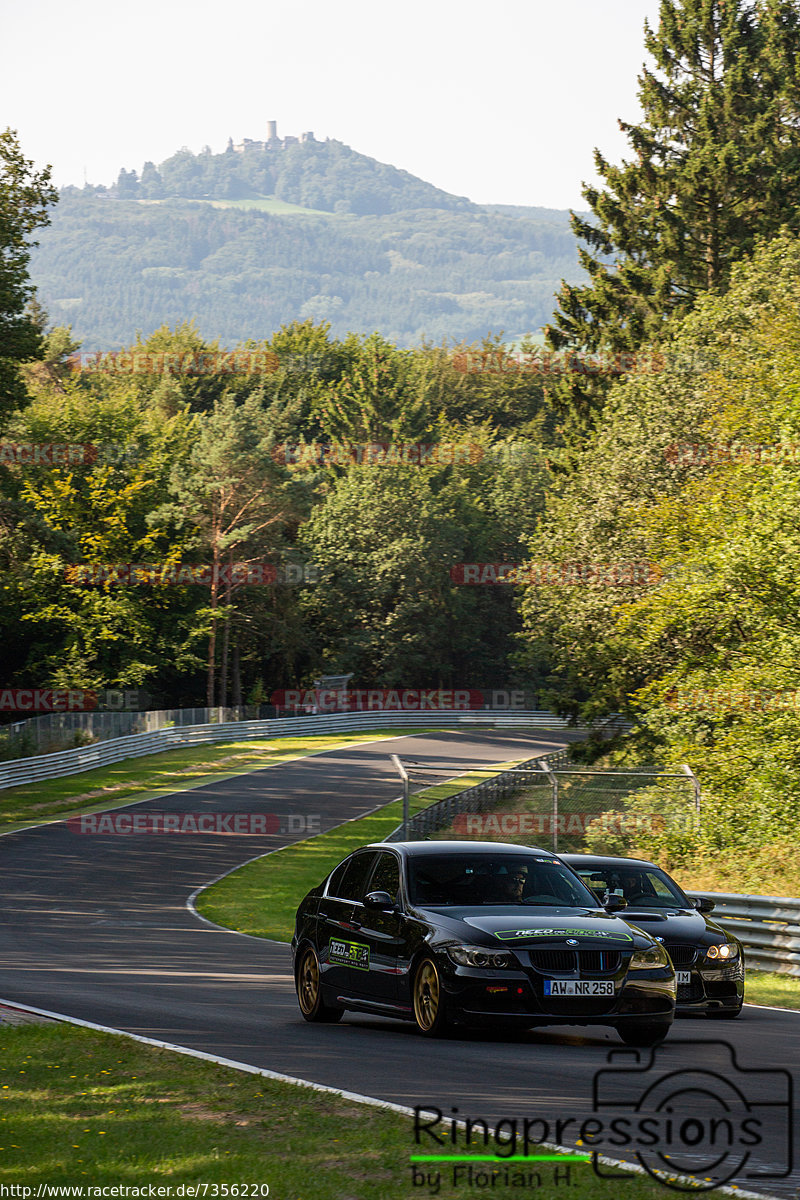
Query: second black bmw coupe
(443, 932)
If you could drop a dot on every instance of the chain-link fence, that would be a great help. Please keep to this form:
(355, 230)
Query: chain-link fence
(550, 802)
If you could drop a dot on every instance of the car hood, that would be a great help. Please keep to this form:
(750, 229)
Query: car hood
(671, 924)
(532, 927)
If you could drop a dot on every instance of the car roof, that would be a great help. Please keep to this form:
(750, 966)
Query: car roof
(606, 860)
(420, 849)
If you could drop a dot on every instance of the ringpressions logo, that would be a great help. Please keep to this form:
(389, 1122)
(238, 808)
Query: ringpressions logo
(690, 1128)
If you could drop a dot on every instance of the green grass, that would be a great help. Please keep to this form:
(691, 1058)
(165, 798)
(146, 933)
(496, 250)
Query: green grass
(766, 987)
(270, 204)
(160, 774)
(81, 1107)
(261, 898)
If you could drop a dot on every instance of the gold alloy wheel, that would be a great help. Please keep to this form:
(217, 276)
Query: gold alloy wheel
(308, 982)
(426, 996)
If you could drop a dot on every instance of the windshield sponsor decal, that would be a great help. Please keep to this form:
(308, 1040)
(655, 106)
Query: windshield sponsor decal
(507, 934)
(349, 954)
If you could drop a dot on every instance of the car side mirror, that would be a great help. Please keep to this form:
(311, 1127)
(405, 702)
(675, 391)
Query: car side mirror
(615, 904)
(379, 900)
(703, 904)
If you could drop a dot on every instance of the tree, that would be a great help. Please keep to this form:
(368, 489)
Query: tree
(231, 494)
(55, 519)
(717, 165)
(151, 184)
(58, 346)
(24, 197)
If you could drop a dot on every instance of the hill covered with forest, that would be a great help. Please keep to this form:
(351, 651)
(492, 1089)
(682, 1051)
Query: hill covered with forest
(246, 241)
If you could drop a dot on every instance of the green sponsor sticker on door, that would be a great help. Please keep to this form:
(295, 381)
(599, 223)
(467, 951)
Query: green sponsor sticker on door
(349, 954)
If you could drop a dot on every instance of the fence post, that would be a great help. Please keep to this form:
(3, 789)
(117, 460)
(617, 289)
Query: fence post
(554, 778)
(545, 766)
(696, 785)
(404, 776)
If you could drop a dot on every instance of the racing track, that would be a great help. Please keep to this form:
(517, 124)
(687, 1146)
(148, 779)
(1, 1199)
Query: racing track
(96, 927)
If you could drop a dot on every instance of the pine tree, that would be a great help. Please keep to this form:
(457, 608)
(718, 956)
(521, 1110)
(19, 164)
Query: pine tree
(24, 198)
(716, 167)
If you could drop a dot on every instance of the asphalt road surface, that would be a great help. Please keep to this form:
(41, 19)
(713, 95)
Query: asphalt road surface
(96, 926)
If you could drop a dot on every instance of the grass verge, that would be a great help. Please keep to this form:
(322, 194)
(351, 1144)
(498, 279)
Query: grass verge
(98, 1110)
(160, 774)
(261, 898)
(766, 987)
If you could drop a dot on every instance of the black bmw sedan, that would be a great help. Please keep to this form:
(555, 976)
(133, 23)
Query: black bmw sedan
(709, 963)
(443, 932)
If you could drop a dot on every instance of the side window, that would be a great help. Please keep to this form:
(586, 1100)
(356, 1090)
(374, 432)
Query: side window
(336, 878)
(386, 876)
(351, 886)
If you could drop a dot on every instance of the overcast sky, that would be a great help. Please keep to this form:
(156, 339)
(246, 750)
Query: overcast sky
(500, 102)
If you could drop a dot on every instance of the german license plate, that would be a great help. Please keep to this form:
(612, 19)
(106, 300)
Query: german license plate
(574, 987)
(683, 976)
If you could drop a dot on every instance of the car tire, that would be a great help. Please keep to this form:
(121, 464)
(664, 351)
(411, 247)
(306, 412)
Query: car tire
(309, 990)
(643, 1034)
(430, 1005)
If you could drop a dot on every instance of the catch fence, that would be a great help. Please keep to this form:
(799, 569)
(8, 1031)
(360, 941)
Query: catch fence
(550, 801)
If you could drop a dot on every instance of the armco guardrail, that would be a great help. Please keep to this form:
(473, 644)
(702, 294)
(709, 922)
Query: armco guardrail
(767, 926)
(84, 758)
(473, 799)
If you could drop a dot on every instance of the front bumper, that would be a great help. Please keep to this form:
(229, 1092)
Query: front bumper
(712, 989)
(518, 996)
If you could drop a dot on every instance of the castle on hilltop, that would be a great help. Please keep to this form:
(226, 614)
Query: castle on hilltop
(273, 142)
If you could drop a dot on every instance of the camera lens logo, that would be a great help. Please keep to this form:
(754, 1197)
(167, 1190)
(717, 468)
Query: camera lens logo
(711, 1122)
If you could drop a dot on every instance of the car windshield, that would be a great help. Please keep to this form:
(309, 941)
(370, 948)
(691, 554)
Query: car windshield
(468, 880)
(646, 887)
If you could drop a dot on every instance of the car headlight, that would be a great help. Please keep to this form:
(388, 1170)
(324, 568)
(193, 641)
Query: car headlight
(725, 952)
(643, 960)
(478, 956)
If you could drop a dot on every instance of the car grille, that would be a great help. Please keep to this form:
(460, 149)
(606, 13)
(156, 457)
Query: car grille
(682, 955)
(599, 962)
(552, 958)
(690, 991)
(589, 962)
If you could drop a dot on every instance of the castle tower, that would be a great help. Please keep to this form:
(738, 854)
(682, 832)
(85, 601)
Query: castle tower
(272, 131)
